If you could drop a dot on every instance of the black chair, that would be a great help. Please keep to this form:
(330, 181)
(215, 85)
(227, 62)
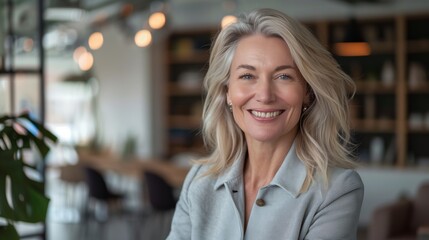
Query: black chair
(156, 222)
(97, 187)
(160, 193)
(103, 205)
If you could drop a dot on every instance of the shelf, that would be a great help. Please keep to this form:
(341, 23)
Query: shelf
(195, 57)
(421, 88)
(418, 130)
(185, 122)
(375, 87)
(187, 61)
(418, 46)
(176, 89)
(373, 125)
(382, 47)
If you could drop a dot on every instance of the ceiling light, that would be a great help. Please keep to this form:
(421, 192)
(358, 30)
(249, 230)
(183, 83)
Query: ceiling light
(157, 20)
(227, 20)
(78, 52)
(86, 60)
(96, 40)
(143, 38)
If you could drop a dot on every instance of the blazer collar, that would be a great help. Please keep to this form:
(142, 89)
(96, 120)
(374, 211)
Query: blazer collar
(290, 176)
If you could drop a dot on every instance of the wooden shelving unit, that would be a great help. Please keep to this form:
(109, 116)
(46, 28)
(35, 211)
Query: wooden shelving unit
(187, 61)
(384, 110)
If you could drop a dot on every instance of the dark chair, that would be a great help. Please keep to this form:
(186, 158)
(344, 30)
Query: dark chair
(156, 222)
(103, 205)
(102, 201)
(160, 193)
(97, 187)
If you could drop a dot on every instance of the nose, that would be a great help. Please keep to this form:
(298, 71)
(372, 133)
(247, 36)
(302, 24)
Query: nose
(265, 91)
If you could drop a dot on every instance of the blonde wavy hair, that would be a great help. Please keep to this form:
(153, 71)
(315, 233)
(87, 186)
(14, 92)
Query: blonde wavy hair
(324, 136)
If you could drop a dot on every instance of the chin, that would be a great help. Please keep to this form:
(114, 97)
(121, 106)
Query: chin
(263, 137)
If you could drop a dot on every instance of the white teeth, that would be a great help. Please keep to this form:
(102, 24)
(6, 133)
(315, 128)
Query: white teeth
(265, 114)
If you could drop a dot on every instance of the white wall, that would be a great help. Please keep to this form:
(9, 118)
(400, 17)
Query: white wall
(125, 104)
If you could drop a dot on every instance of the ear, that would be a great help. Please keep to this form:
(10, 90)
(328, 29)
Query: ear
(228, 100)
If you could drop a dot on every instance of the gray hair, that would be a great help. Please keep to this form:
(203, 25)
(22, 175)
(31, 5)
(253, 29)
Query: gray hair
(324, 136)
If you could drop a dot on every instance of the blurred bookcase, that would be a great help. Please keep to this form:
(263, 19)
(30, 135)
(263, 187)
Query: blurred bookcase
(390, 110)
(187, 62)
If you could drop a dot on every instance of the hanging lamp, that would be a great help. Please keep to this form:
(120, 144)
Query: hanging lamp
(354, 44)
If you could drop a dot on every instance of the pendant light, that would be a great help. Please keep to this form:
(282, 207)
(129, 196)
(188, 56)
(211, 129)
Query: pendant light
(354, 44)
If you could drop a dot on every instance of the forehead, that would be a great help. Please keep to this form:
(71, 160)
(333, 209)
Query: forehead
(260, 49)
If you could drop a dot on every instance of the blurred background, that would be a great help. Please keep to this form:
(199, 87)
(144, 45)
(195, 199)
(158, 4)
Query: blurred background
(119, 83)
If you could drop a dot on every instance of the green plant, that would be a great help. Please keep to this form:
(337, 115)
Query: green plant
(21, 197)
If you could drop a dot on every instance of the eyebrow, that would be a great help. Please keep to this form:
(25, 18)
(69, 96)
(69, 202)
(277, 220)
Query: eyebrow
(250, 67)
(245, 66)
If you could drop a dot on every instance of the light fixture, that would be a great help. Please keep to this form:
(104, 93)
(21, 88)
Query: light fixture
(143, 38)
(227, 20)
(157, 20)
(95, 40)
(85, 62)
(353, 44)
(78, 52)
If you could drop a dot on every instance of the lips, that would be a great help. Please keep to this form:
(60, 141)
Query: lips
(266, 114)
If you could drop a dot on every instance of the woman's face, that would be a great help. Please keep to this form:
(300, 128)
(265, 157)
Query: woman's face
(266, 90)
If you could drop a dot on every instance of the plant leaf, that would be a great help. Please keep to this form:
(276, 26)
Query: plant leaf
(29, 203)
(45, 132)
(4, 119)
(8, 232)
(40, 144)
(7, 167)
(11, 134)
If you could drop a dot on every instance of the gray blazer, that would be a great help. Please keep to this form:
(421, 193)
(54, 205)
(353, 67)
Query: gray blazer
(213, 208)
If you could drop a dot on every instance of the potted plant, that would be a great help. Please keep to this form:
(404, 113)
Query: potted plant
(22, 198)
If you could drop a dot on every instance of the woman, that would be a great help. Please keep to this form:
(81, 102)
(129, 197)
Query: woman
(276, 121)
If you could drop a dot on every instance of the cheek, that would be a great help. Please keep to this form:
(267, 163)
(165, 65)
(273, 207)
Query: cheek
(294, 96)
(238, 95)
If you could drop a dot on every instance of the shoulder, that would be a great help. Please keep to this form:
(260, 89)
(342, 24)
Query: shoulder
(344, 183)
(340, 178)
(197, 180)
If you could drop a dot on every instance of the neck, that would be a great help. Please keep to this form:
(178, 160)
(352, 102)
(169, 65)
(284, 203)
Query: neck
(264, 160)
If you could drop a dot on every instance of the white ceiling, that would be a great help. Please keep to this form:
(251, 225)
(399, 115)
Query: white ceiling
(208, 13)
(200, 12)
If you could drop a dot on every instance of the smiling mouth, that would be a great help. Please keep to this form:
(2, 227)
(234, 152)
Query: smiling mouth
(267, 115)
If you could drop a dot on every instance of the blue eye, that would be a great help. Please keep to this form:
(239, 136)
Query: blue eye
(283, 77)
(247, 76)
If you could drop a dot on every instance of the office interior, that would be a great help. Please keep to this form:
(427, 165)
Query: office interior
(119, 82)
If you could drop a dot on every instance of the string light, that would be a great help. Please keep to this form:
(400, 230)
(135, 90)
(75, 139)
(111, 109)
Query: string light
(78, 52)
(227, 20)
(157, 20)
(143, 38)
(96, 40)
(86, 60)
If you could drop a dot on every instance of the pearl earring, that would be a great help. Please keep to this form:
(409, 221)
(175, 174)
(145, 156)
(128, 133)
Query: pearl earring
(304, 109)
(230, 107)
